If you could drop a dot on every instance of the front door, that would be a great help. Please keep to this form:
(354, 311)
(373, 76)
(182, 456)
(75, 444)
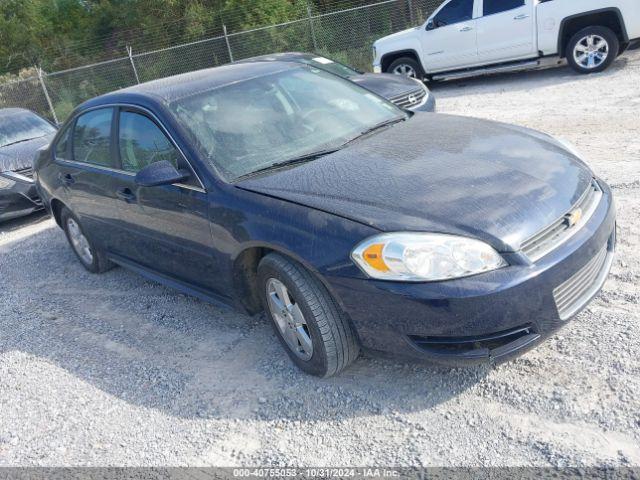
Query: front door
(168, 226)
(506, 31)
(449, 39)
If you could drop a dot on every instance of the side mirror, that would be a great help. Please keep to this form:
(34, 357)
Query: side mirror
(430, 24)
(159, 173)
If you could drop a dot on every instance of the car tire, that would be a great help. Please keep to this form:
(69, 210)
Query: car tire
(91, 258)
(584, 60)
(316, 334)
(406, 64)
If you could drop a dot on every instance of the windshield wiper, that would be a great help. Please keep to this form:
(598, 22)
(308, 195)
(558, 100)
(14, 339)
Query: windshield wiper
(380, 125)
(23, 140)
(292, 161)
(320, 153)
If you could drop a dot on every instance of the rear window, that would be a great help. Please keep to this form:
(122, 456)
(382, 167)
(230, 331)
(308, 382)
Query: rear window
(496, 6)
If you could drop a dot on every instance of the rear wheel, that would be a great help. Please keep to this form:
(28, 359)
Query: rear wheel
(310, 325)
(406, 66)
(90, 257)
(592, 49)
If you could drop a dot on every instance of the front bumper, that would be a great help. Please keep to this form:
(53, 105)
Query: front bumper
(18, 196)
(488, 317)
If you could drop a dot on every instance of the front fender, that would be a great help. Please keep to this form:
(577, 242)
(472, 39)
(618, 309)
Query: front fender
(397, 45)
(322, 242)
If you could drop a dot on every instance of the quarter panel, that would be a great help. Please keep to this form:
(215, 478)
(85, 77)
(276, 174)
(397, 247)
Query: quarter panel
(551, 15)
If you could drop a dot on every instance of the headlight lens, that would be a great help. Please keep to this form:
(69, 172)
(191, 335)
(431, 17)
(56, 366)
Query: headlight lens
(5, 182)
(424, 257)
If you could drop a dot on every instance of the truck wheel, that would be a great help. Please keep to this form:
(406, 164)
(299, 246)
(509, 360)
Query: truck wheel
(90, 257)
(592, 49)
(406, 66)
(310, 325)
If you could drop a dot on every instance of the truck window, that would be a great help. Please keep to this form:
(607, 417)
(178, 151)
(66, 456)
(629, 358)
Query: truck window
(454, 12)
(496, 6)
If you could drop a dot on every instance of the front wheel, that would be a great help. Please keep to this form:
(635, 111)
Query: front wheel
(592, 49)
(310, 325)
(407, 67)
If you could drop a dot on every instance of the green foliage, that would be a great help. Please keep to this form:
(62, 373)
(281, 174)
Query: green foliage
(59, 34)
(62, 34)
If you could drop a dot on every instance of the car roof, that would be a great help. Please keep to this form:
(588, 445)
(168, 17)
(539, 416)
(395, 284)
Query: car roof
(169, 89)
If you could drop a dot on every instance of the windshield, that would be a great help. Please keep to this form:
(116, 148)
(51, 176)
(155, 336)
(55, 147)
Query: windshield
(22, 126)
(248, 126)
(330, 66)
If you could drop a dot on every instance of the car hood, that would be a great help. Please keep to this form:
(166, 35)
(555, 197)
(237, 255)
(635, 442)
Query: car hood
(441, 173)
(402, 34)
(386, 85)
(21, 155)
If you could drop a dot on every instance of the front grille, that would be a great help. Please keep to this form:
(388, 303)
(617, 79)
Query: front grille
(411, 99)
(25, 172)
(571, 295)
(562, 229)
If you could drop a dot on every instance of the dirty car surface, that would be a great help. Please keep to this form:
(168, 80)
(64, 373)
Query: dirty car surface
(474, 245)
(22, 133)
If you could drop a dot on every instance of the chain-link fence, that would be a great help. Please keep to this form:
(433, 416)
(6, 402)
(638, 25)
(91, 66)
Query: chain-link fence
(345, 35)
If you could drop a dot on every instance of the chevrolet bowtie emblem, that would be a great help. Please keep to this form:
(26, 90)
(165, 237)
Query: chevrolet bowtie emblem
(572, 218)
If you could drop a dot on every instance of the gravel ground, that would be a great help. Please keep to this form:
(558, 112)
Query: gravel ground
(116, 370)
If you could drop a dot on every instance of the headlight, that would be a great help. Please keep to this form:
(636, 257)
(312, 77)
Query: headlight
(424, 257)
(5, 182)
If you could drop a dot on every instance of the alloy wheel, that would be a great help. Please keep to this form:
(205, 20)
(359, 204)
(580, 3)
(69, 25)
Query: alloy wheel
(406, 70)
(289, 319)
(591, 51)
(79, 242)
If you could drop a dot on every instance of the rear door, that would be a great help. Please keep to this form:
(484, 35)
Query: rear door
(449, 41)
(88, 176)
(506, 30)
(167, 227)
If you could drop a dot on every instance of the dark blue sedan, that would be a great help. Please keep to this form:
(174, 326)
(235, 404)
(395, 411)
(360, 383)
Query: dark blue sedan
(280, 187)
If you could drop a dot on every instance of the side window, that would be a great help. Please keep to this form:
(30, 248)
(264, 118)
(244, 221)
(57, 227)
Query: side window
(62, 147)
(455, 11)
(496, 6)
(142, 143)
(92, 138)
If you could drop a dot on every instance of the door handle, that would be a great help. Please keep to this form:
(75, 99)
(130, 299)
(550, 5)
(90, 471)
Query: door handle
(126, 194)
(67, 179)
(466, 29)
(522, 16)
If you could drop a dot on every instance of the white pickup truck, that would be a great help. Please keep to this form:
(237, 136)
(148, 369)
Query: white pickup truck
(464, 38)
